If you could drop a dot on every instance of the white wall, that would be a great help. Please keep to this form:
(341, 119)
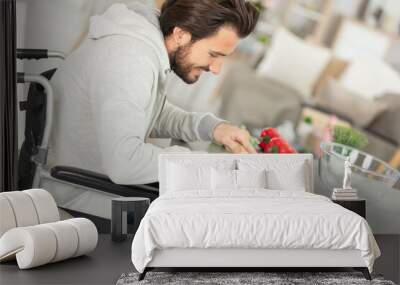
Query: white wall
(346, 7)
(391, 10)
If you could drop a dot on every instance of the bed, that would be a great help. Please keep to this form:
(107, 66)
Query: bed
(247, 211)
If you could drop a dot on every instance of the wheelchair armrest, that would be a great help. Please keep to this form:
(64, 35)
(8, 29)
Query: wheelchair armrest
(102, 183)
(28, 53)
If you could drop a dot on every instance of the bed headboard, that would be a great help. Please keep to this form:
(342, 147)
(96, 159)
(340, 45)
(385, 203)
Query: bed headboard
(252, 160)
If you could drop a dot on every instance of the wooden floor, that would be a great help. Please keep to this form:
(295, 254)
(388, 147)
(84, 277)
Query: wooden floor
(110, 260)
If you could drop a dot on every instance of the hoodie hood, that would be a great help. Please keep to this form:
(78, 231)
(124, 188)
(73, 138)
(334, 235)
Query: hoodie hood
(135, 20)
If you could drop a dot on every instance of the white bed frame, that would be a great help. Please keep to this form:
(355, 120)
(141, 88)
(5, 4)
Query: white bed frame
(236, 257)
(211, 158)
(242, 259)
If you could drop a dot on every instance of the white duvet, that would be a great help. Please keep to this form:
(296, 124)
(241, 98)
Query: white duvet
(250, 219)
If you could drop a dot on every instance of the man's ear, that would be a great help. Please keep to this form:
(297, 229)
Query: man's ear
(181, 37)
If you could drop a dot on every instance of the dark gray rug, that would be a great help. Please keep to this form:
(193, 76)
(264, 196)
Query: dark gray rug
(243, 278)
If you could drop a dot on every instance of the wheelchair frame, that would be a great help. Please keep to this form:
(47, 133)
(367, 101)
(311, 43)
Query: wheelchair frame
(66, 174)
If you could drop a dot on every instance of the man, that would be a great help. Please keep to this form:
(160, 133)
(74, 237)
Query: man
(111, 90)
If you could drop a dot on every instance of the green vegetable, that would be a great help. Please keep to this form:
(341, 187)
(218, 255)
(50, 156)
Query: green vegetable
(263, 39)
(308, 120)
(259, 5)
(253, 140)
(349, 137)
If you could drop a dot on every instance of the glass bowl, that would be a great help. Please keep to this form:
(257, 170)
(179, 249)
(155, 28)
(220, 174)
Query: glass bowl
(364, 166)
(375, 180)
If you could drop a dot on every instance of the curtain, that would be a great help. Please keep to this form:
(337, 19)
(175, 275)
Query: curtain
(8, 97)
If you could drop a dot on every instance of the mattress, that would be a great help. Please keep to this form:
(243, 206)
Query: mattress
(251, 219)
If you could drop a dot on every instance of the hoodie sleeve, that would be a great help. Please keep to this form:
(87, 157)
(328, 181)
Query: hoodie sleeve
(174, 122)
(119, 90)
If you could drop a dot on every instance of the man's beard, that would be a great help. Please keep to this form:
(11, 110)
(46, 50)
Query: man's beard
(179, 65)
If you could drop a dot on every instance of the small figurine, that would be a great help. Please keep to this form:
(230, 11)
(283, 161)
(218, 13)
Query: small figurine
(346, 192)
(347, 174)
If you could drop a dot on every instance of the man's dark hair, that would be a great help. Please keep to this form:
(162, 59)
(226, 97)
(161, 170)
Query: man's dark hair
(203, 18)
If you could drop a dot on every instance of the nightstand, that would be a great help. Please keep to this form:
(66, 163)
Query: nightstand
(358, 206)
(121, 209)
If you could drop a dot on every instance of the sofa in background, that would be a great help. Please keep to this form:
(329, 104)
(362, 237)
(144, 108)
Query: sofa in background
(258, 101)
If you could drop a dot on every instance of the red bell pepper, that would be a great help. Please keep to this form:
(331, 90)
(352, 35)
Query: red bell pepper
(268, 134)
(287, 149)
(277, 145)
(272, 142)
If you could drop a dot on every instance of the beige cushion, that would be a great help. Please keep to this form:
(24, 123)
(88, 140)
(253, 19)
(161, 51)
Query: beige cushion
(387, 124)
(370, 78)
(333, 70)
(248, 99)
(337, 99)
(294, 62)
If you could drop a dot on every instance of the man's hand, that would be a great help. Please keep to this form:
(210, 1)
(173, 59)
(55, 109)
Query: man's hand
(234, 139)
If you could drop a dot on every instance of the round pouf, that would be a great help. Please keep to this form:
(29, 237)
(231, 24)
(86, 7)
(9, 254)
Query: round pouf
(124, 208)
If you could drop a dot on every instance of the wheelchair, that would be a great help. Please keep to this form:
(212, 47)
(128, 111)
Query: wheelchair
(32, 161)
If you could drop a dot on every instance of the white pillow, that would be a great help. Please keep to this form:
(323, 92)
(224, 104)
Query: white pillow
(370, 78)
(283, 173)
(355, 38)
(294, 62)
(183, 177)
(251, 178)
(292, 180)
(223, 179)
(229, 179)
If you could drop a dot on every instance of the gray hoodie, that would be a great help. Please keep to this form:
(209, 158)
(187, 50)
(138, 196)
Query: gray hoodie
(111, 98)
